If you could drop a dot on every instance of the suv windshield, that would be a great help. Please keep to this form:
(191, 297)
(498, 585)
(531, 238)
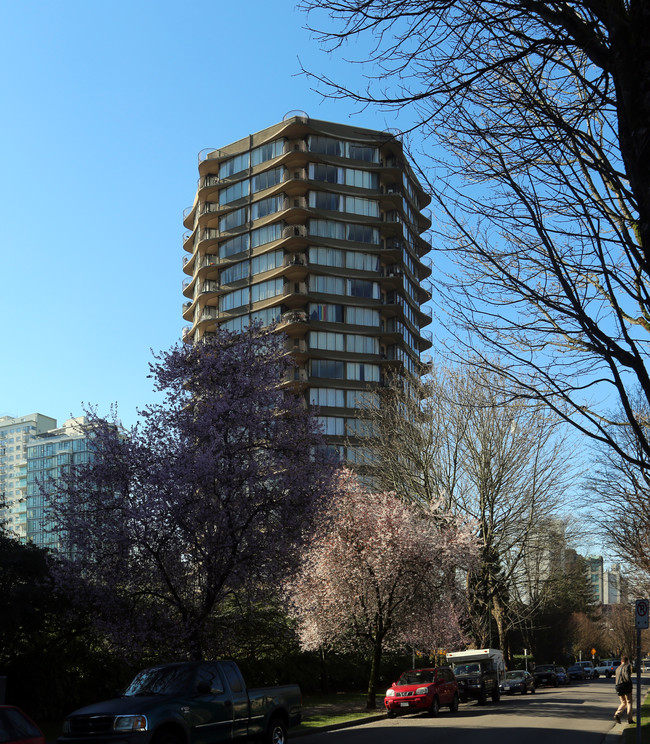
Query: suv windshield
(467, 668)
(160, 681)
(423, 676)
(545, 668)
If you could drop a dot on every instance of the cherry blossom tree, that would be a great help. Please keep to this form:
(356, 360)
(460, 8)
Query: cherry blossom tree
(380, 574)
(209, 497)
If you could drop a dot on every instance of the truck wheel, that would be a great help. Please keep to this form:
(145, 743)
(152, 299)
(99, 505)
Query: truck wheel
(435, 707)
(454, 704)
(276, 733)
(482, 697)
(167, 737)
(496, 695)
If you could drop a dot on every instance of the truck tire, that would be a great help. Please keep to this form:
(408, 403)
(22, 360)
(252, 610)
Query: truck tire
(482, 697)
(276, 733)
(496, 695)
(454, 704)
(167, 737)
(434, 708)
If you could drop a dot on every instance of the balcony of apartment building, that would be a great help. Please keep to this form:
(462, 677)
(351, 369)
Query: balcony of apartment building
(392, 248)
(391, 277)
(295, 294)
(294, 322)
(298, 349)
(424, 291)
(426, 340)
(425, 268)
(295, 181)
(296, 236)
(295, 266)
(296, 377)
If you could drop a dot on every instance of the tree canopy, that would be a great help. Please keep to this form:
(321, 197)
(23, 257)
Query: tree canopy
(210, 496)
(381, 573)
(541, 183)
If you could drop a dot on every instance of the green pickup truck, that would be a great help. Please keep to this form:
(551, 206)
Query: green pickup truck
(201, 702)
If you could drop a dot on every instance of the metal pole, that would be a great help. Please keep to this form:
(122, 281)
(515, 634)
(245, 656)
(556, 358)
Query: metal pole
(638, 685)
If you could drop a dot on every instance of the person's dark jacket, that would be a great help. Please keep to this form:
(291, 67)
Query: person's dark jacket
(624, 679)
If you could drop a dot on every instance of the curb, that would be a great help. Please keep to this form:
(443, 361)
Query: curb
(336, 726)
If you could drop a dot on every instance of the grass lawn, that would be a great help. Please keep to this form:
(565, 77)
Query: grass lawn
(630, 733)
(327, 710)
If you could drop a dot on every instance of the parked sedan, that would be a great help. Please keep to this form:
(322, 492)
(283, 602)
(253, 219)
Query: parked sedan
(588, 669)
(562, 676)
(575, 671)
(518, 681)
(545, 674)
(18, 728)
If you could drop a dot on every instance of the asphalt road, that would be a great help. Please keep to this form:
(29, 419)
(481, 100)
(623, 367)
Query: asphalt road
(581, 713)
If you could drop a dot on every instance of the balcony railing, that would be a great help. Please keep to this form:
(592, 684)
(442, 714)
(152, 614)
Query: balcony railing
(294, 316)
(294, 231)
(295, 259)
(295, 288)
(210, 313)
(299, 145)
(210, 180)
(393, 244)
(294, 174)
(296, 202)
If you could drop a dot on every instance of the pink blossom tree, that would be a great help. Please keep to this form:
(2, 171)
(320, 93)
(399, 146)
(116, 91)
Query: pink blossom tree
(382, 574)
(210, 497)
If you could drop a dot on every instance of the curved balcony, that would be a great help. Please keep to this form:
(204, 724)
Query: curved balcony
(426, 340)
(295, 266)
(295, 231)
(295, 202)
(295, 294)
(424, 292)
(426, 316)
(293, 322)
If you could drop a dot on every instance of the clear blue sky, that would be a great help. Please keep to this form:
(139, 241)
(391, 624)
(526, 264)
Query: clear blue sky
(105, 107)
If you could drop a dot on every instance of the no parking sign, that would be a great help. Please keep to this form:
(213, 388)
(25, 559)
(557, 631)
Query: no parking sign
(642, 613)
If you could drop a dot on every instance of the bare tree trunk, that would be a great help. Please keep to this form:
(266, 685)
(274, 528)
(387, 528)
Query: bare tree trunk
(375, 664)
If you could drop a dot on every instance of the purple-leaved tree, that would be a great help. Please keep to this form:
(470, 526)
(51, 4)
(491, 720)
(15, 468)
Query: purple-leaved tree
(209, 497)
(380, 574)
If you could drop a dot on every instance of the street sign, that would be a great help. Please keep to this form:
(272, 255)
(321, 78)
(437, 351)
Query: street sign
(641, 614)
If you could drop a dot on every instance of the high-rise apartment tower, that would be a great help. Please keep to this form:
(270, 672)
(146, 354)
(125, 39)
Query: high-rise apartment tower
(315, 226)
(15, 434)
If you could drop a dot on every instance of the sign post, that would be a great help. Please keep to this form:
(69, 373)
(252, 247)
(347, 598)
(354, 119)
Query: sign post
(641, 621)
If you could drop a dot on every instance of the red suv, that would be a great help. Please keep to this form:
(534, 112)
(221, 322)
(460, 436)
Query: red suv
(423, 690)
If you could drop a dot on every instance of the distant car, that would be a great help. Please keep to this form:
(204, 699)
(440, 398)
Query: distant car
(562, 676)
(18, 728)
(590, 672)
(423, 690)
(575, 671)
(545, 674)
(607, 667)
(518, 681)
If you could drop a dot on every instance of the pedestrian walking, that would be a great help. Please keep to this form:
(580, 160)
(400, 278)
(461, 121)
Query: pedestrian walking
(624, 690)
